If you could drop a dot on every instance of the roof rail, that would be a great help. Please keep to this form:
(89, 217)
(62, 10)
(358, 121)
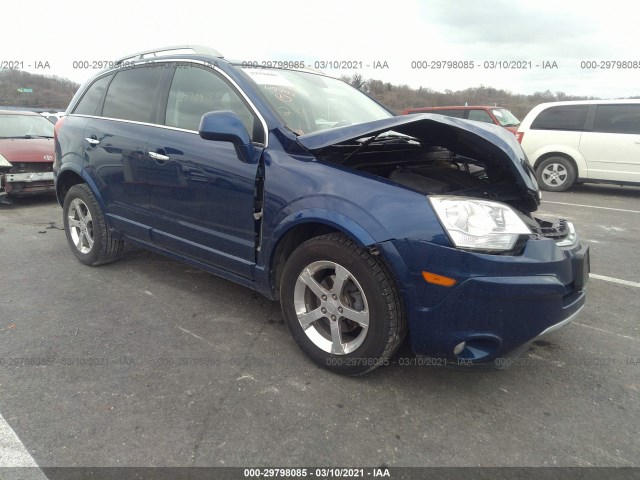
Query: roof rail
(197, 49)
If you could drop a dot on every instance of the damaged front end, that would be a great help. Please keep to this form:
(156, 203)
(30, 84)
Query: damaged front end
(25, 178)
(511, 276)
(441, 156)
(434, 155)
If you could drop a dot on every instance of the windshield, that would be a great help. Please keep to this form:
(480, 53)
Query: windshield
(505, 117)
(25, 126)
(308, 102)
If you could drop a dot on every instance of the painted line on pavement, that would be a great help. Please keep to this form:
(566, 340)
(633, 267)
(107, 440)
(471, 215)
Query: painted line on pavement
(607, 331)
(14, 456)
(614, 280)
(593, 206)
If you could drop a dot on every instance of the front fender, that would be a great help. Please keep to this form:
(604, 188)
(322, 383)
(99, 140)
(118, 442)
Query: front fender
(330, 218)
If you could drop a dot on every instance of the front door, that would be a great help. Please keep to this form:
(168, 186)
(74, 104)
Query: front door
(202, 193)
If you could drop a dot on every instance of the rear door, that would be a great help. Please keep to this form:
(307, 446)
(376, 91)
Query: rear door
(116, 147)
(201, 192)
(612, 146)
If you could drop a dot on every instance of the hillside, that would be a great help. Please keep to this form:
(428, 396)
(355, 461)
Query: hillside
(399, 97)
(47, 91)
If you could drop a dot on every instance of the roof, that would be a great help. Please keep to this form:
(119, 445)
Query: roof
(594, 102)
(453, 106)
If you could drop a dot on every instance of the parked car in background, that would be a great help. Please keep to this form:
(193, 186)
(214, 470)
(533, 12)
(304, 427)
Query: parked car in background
(26, 154)
(583, 141)
(496, 115)
(365, 225)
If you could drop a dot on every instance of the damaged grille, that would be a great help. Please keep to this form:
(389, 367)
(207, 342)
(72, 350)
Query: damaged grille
(31, 167)
(561, 230)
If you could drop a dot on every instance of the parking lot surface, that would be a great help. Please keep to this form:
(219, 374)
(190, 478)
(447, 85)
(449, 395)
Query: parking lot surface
(150, 362)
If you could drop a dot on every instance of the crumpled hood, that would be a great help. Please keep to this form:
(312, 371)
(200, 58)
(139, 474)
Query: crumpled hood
(488, 143)
(26, 150)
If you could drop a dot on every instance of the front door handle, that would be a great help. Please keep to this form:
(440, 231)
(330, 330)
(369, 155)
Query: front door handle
(158, 157)
(92, 140)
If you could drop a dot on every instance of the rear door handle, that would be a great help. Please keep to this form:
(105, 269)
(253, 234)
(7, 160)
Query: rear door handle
(159, 157)
(92, 141)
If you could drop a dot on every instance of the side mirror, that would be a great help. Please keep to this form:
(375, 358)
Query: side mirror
(226, 126)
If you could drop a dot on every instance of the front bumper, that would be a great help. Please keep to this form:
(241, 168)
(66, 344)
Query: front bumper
(28, 177)
(28, 183)
(499, 304)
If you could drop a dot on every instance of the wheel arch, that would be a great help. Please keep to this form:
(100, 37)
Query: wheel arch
(294, 231)
(71, 176)
(64, 181)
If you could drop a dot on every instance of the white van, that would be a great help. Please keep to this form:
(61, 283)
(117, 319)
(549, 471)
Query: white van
(583, 141)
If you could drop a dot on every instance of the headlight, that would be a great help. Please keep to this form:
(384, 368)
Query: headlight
(479, 224)
(4, 162)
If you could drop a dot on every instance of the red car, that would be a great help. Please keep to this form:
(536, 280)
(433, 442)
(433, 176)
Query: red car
(26, 154)
(480, 113)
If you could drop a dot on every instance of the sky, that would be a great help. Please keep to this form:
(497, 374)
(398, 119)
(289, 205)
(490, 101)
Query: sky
(65, 37)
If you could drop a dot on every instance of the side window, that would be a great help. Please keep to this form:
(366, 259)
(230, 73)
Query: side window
(89, 102)
(132, 95)
(450, 113)
(617, 119)
(565, 117)
(480, 116)
(196, 91)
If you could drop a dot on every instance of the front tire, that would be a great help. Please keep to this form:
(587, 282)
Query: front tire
(84, 224)
(555, 174)
(341, 305)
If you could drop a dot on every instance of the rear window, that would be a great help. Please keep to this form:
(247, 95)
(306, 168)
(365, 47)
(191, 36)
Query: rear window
(565, 117)
(132, 95)
(617, 119)
(449, 113)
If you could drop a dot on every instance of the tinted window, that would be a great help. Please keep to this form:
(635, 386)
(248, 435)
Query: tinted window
(566, 117)
(617, 119)
(132, 95)
(480, 116)
(196, 91)
(89, 102)
(449, 113)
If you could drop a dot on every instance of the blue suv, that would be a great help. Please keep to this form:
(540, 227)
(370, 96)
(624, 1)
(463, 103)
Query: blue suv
(365, 225)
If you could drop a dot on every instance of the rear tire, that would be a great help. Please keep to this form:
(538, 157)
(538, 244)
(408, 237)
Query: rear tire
(555, 174)
(84, 224)
(341, 305)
